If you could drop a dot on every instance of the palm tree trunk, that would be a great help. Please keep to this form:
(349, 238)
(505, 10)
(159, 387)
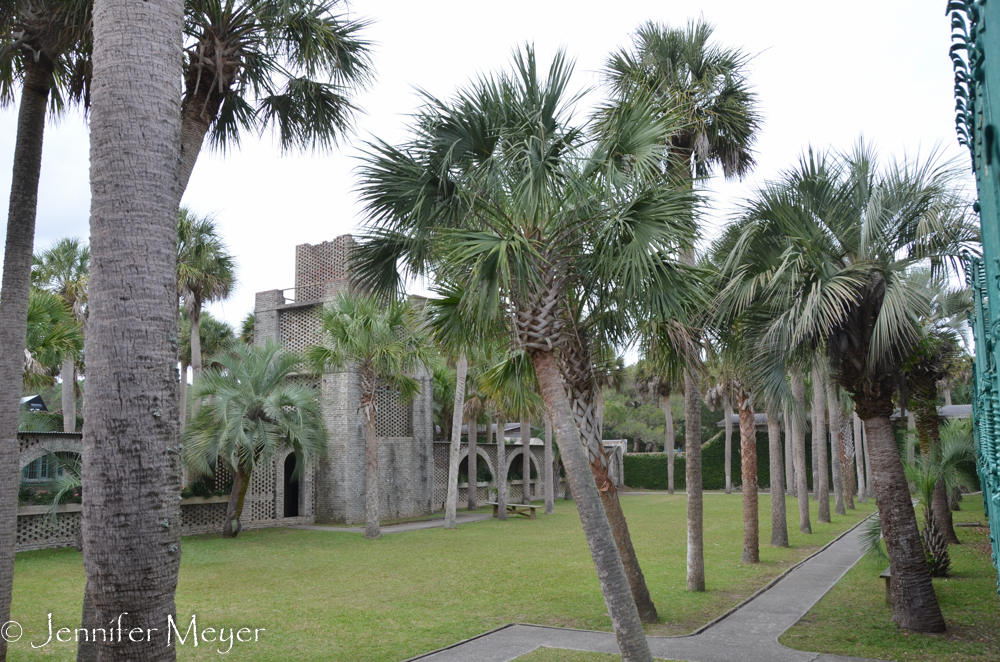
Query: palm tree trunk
(911, 437)
(789, 454)
(567, 490)
(947, 397)
(859, 458)
(183, 394)
(86, 651)
(692, 477)
(501, 472)
(928, 429)
(799, 446)
(131, 471)
(14, 305)
(748, 465)
(820, 446)
(525, 460)
(846, 462)
(870, 477)
(779, 518)
(668, 442)
(451, 502)
(550, 474)
(836, 447)
(914, 605)
(196, 119)
(68, 371)
(372, 530)
(727, 407)
(600, 538)
(234, 510)
(194, 313)
(473, 498)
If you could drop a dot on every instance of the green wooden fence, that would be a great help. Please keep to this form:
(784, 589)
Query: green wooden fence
(975, 52)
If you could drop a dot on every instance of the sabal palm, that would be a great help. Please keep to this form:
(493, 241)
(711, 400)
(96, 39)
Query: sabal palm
(250, 65)
(206, 272)
(386, 343)
(64, 269)
(839, 243)
(253, 412)
(540, 219)
(53, 333)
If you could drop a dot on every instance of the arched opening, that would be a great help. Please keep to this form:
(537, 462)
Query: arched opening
(291, 505)
(516, 472)
(483, 473)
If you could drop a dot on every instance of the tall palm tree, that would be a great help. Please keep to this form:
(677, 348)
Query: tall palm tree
(39, 48)
(206, 272)
(130, 436)
(538, 215)
(253, 412)
(250, 65)
(213, 335)
(706, 86)
(821, 463)
(64, 269)
(385, 342)
(851, 236)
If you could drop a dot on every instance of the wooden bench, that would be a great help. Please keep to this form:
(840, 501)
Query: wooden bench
(522, 509)
(887, 577)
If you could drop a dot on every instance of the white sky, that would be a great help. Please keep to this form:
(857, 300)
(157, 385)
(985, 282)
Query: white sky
(825, 72)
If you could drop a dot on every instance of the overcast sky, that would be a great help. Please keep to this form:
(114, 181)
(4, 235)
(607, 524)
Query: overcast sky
(825, 73)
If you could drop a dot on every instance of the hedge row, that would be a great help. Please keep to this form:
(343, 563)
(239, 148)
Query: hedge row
(649, 470)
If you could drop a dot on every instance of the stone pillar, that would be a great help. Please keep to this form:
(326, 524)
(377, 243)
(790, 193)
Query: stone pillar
(265, 314)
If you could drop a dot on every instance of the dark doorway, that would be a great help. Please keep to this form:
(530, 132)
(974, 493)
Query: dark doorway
(291, 488)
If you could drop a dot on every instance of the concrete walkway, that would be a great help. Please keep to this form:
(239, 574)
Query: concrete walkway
(747, 634)
(461, 518)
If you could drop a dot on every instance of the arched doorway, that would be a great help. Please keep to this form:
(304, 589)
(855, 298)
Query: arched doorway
(291, 505)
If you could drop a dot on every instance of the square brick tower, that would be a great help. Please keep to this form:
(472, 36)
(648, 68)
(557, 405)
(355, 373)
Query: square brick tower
(334, 486)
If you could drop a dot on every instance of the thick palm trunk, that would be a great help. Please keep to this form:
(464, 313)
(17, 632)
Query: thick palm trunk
(14, 306)
(451, 502)
(692, 477)
(789, 454)
(68, 371)
(779, 518)
(550, 474)
(501, 472)
(728, 409)
(668, 442)
(131, 474)
(836, 446)
(234, 509)
(567, 490)
(799, 446)
(372, 529)
(820, 447)
(197, 114)
(748, 465)
(610, 571)
(914, 605)
(473, 497)
(525, 460)
(847, 460)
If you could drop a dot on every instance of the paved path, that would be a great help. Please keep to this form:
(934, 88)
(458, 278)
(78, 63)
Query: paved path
(462, 518)
(748, 634)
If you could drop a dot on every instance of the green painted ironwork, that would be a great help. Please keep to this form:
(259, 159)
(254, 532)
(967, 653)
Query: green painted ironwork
(975, 33)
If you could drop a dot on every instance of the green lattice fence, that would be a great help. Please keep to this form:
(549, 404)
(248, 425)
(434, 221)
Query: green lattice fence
(975, 52)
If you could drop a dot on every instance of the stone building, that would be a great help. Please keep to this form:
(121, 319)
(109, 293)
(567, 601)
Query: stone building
(333, 487)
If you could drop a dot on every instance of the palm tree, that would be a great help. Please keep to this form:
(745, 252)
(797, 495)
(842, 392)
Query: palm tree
(206, 272)
(721, 395)
(705, 85)
(254, 411)
(850, 236)
(251, 65)
(64, 269)
(213, 335)
(39, 50)
(53, 333)
(385, 342)
(130, 435)
(821, 465)
(538, 249)
(247, 329)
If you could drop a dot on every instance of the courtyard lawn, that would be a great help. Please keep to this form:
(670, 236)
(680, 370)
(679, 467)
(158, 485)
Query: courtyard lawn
(336, 596)
(854, 619)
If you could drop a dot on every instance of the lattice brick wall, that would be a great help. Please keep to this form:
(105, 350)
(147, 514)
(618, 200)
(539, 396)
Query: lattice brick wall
(319, 264)
(202, 518)
(40, 532)
(299, 327)
(394, 418)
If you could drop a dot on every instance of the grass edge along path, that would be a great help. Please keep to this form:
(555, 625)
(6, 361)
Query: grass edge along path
(853, 618)
(564, 655)
(335, 596)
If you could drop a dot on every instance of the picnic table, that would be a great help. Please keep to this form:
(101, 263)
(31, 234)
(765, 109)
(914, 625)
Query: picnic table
(523, 509)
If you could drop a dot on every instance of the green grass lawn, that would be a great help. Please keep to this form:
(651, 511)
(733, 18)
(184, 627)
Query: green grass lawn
(854, 619)
(335, 596)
